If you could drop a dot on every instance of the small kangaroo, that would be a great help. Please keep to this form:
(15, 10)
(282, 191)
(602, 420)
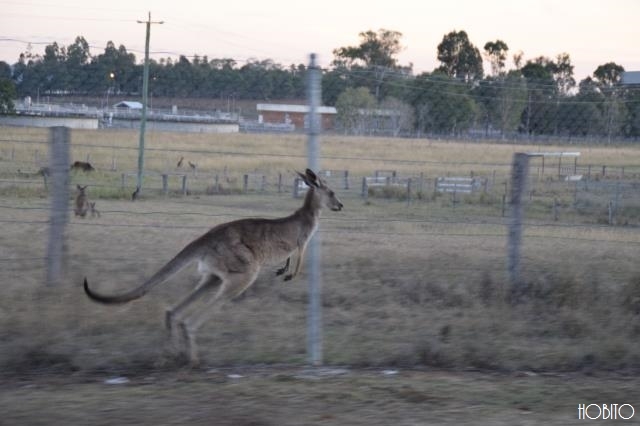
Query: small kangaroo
(82, 202)
(230, 257)
(94, 211)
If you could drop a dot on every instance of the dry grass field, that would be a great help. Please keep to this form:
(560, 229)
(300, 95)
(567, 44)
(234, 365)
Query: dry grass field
(417, 287)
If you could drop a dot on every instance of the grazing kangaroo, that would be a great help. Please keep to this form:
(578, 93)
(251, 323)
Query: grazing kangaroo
(82, 165)
(230, 257)
(82, 202)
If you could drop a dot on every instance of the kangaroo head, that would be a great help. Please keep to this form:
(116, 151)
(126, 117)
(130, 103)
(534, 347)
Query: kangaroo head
(81, 188)
(325, 196)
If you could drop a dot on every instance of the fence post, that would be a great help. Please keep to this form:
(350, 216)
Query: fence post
(346, 179)
(184, 184)
(519, 171)
(314, 321)
(245, 183)
(165, 183)
(408, 192)
(610, 212)
(59, 170)
(279, 183)
(365, 189)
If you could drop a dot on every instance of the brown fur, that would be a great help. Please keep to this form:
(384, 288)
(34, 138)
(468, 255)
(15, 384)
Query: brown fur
(83, 166)
(82, 201)
(231, 255)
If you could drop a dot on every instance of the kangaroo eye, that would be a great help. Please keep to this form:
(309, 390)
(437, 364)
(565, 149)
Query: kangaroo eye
(331, 194)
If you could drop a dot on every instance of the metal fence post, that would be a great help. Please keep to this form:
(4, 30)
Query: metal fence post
(59, 215)
(519, 171)
(314, 321)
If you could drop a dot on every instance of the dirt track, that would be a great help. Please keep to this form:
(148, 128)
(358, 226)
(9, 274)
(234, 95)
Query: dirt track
(302, 396)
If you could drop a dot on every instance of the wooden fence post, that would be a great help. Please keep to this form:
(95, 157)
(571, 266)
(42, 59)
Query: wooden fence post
(165, 184)
(59, 215)
(184, 184)
(296, 186)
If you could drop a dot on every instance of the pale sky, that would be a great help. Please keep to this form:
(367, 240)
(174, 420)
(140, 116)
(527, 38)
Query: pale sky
(592, 32)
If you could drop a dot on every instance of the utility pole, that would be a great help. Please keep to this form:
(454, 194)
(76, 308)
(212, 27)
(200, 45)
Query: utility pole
(145, 95)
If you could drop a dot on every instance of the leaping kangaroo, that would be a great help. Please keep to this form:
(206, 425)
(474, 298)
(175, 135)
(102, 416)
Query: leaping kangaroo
(230, 257)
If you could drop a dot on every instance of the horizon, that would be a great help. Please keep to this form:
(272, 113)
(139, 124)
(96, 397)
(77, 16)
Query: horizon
(280, 31)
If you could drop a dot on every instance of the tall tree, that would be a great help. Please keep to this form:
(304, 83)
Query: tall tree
(608, 77)
(459, 58)
(538, 116)
(375, 55)
(496, 53)
(563, 74)
(609, 74)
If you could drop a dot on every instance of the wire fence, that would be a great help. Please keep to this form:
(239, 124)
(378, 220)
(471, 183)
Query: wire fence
(559, 191)
(411, 232)
(558, 195)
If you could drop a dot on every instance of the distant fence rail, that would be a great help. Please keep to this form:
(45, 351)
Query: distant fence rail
(464, 185)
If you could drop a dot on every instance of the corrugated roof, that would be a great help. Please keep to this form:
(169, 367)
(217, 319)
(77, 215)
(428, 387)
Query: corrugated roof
(631, 77)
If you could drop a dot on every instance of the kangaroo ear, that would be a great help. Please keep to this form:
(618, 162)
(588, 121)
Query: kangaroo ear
(303, 177)
(312, 178)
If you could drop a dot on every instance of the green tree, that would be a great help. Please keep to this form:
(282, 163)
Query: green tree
(503, 100)
(496, 53)
(353, 105)
(442, 105)
(459, 58)
(607, 77)
(373, 61)
(7, 95)
(540, 115)
(5, 70)
(563, 74)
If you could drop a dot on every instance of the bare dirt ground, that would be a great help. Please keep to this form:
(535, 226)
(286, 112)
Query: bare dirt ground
(260, 396)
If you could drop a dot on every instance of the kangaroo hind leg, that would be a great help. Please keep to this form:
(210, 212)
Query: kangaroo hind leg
(207, 283)
(232, 286)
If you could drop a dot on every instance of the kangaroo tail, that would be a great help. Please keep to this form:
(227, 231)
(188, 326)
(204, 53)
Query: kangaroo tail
(181, 260)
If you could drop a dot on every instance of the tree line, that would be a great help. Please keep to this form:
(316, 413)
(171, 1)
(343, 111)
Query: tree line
(371, 90)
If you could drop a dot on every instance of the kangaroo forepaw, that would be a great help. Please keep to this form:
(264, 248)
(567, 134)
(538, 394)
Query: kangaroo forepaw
(281, 271)
(288, 277)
